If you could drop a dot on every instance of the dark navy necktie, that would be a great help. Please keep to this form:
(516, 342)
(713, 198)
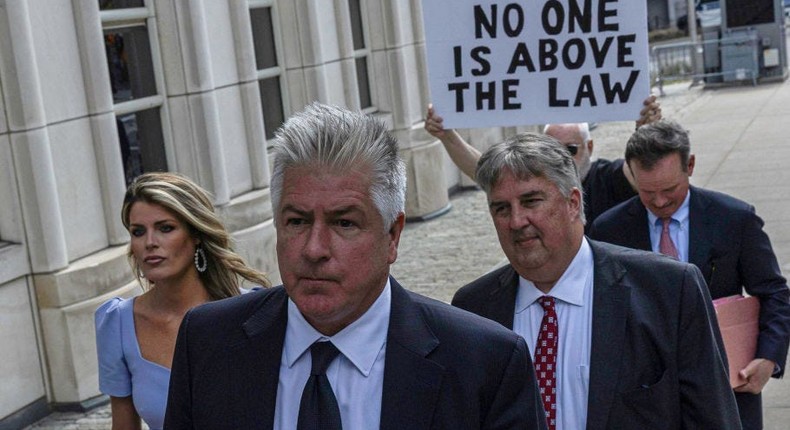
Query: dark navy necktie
(318, 409)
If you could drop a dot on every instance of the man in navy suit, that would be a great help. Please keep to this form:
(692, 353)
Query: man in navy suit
(341, 344)
(623, 339)
(719, 234)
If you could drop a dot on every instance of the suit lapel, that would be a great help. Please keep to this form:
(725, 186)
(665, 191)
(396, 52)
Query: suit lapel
(611, 301)
(411, 381)
(256, 361)
(502, 300)
(700, 233)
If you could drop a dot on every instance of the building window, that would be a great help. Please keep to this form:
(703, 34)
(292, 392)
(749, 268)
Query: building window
(361, 54)
(269, 72)
(120, 4)
(136, 84)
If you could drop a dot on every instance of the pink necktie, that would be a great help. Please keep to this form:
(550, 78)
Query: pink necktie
(546, 360)
(665, 245)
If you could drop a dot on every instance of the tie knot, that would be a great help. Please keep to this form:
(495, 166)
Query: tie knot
(547, 302)
(665, 222)
(322, 353)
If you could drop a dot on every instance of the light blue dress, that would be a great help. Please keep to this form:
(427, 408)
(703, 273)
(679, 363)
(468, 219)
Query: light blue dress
(122, 369)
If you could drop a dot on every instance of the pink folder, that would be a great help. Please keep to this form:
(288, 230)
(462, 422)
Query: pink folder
(738, 321)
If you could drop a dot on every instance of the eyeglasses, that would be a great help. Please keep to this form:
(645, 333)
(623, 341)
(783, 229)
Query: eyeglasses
(572, 148)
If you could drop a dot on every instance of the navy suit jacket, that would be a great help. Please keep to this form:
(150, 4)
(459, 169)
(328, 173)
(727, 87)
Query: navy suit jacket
(444, 368)
(655, 360)
(728, 244)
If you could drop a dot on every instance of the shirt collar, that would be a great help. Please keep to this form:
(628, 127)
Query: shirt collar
(360, 342)
(680, 215)
(567, 288)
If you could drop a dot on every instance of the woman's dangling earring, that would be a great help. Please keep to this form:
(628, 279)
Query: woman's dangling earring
(200, 255)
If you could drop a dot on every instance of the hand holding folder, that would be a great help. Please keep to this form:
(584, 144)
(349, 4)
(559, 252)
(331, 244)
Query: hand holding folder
(739, 325)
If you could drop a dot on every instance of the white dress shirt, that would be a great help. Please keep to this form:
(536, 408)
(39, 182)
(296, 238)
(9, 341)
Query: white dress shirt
(678, 230)
(573, 293)
(356, 375)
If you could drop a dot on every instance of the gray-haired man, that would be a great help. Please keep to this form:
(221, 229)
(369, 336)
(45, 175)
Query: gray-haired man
(341, 343)
(623, 339)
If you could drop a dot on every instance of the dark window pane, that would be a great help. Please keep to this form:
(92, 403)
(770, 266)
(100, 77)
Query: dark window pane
(272, 103)
(356, 24)
(742, 13)
(119, 4)
(263, 38)
(142, 145)
(363, 83)
(130, 63)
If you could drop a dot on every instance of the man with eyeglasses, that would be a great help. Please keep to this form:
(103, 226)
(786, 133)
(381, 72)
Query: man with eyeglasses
(605, 183)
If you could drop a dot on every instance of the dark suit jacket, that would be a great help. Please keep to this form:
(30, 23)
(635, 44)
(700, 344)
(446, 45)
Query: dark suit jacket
(728, 244)
(444, 368)
(654, 362)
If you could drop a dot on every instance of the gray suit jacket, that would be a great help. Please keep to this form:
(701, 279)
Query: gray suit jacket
(444, 368)
(655, 360)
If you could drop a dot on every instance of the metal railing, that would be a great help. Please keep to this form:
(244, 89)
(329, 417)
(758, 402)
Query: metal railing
(675, 61)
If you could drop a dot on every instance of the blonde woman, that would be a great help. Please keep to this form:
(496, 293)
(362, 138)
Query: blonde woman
(181, 253)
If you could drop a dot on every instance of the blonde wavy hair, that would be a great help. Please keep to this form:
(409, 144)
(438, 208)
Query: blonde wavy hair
(193, 206)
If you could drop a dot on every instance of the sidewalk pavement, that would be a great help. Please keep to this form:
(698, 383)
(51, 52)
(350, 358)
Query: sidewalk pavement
(742, 147)
(741, 150)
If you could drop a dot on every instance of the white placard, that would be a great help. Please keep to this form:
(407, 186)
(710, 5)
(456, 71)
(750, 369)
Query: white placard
(771, 57)
(510, 63)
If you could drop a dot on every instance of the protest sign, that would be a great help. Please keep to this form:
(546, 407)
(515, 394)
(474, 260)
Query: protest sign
(509, 63)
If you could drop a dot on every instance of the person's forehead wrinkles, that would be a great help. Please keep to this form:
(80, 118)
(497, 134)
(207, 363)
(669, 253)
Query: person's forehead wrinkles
(532, 193)
(344, 210)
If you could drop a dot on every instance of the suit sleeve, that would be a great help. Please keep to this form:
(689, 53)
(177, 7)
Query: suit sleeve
(460, 300)
(707, 401)
(762, 278)
(179, 400)
(517, 403)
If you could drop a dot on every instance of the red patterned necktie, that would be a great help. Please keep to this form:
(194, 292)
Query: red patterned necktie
(546, 360)
(665, 245)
